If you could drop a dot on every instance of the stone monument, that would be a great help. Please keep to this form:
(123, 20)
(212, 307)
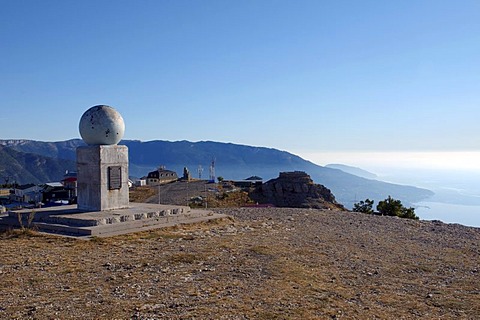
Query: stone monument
(102, 165)
(103, 207)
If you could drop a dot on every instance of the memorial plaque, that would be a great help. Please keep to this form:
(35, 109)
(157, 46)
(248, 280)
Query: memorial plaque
(114, 177)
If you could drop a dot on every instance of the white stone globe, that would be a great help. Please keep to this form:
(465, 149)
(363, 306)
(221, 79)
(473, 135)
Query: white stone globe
(101, 125)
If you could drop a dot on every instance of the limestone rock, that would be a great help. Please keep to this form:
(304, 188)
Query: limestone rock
(294, 190)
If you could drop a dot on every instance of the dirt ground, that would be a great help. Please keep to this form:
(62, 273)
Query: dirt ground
(262, 263)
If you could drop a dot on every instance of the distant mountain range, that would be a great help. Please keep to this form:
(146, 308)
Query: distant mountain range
(24, 167)
(352, 170)
(36, 161)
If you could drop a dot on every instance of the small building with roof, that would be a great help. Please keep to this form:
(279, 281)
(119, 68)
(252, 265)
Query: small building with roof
(161, 176)
(26, 193)
(54, 192)
(248, 182)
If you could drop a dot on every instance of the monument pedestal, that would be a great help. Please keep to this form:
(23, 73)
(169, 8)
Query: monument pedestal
(70, 221)
(102, 177)
(102, 190)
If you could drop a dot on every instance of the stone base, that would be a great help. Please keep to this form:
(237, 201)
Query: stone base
(102, 177)
(70, 221)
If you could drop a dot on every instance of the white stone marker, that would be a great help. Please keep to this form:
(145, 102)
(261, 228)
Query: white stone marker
(102, 166)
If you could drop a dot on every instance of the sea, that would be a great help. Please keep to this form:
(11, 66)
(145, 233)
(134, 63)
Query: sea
(468, 215)
(454, 177)
(456, 199)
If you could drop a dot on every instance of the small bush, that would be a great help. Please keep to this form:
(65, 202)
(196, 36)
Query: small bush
(28, 224)
(364, 206)
(392, 207)
(387, 207)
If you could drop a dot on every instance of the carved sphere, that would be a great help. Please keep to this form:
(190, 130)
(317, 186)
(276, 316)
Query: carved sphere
(101, 125)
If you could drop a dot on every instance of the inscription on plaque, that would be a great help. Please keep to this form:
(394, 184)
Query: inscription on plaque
(114, 177)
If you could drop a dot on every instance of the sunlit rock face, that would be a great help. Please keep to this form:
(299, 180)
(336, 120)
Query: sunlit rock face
(294, 190)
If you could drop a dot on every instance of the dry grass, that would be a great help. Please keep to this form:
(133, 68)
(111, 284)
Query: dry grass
(229, 199)
(264, 264)
(141, 194)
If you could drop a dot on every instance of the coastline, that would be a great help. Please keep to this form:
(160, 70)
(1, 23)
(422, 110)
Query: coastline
(467, 215)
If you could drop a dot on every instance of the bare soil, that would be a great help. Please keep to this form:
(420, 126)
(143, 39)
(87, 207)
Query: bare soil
(180, 192)
(263, 263)
(211, 195)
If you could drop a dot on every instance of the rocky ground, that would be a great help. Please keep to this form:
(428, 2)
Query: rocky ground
(180, 192)
(263, 263)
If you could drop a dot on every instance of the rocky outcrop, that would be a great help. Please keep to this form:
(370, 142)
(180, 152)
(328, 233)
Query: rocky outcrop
(294, 190)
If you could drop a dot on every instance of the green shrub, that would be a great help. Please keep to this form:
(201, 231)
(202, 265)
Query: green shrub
(392, 207)
(364, 206)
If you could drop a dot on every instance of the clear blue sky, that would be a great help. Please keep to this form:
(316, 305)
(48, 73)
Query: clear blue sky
(302, 76)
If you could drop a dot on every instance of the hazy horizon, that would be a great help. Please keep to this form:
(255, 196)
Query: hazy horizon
(455, 170)
(453, 177)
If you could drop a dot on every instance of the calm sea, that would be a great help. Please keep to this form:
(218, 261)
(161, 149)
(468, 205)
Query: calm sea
(449, 213)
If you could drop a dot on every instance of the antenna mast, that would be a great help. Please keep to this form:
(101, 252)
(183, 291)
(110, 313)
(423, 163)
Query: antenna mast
(212, 170)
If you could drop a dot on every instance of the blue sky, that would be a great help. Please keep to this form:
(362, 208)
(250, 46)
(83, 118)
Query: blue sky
(303, 76)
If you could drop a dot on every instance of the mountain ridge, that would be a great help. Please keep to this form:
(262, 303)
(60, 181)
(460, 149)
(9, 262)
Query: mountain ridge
(233, 161)
(22, 167)
(353, 170)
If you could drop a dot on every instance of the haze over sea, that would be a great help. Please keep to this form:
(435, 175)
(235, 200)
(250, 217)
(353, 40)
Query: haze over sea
(453, 176)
